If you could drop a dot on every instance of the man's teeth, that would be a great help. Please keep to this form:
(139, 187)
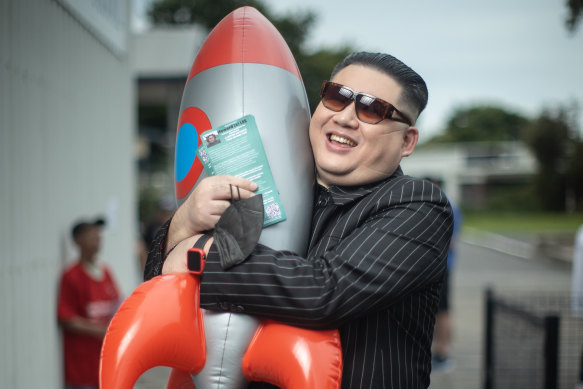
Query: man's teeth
(340, 139)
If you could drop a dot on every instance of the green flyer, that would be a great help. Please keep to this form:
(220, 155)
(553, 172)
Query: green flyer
(235, 149)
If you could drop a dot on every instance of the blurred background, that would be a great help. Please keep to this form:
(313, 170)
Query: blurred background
(89, 97)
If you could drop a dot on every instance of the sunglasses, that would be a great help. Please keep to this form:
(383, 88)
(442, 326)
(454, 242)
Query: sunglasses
(369, 109)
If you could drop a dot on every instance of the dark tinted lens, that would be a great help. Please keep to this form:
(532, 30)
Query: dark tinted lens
(370, 109)
(335, 97)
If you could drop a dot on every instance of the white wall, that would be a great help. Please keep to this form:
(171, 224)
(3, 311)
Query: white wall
(166, 52)
(66, 150)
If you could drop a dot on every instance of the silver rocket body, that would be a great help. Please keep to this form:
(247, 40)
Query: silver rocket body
(278, 101)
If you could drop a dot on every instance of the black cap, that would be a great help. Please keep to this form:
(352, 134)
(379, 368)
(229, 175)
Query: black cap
(82, 225)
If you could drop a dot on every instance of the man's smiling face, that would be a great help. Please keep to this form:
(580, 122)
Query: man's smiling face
(350, 152)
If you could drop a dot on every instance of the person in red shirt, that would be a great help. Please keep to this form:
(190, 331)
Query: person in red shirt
(88, 299)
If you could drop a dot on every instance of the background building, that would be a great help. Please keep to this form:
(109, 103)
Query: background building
(473, 174)
(67, 130)
(160, 60)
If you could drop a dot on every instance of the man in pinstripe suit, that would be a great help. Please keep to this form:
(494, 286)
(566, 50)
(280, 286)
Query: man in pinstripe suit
(379, 239)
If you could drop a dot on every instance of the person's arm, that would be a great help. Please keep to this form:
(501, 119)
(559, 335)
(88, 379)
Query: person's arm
(176, 260)
(200, 212)
(84, 326)
(156, 253)
(395, 252)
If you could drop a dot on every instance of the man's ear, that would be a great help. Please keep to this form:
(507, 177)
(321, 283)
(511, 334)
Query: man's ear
(410, 138)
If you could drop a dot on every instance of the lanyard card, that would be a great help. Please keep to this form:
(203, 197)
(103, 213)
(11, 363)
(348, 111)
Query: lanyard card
(235, 149)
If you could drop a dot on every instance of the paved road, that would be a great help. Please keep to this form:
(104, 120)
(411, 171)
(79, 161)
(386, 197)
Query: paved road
(477, 267)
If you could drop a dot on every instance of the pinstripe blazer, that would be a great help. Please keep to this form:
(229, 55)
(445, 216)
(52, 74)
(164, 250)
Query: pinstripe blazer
(375, 264)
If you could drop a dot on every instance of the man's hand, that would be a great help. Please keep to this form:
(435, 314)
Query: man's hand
(204, 206)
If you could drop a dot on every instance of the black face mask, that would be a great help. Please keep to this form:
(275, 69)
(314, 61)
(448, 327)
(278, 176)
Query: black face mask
(237, 231)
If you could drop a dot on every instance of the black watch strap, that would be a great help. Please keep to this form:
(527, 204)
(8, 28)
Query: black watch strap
(199, 244)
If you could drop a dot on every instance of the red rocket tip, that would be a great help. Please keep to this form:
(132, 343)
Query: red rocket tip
(244, 36)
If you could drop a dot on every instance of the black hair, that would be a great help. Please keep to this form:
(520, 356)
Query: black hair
(415, 93)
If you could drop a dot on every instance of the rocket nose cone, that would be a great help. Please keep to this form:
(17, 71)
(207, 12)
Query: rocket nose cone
(244, 36)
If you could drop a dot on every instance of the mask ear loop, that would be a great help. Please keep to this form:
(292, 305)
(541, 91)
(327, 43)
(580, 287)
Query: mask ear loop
(238, 193)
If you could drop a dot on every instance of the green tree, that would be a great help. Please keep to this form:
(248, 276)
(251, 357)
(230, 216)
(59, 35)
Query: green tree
(575, 8)
(552, 138)
(294, 27)
(574, 177)
(316, 68)
(559, 153)
(482, 123)
(206, 12)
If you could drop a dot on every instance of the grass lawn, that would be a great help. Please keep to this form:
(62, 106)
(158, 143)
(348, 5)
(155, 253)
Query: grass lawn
(560, 223)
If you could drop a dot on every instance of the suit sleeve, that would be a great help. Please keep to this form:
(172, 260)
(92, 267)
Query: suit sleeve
(156, 251)
(396, 251)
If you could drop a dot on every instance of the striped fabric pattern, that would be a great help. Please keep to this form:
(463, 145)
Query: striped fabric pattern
(375, 264)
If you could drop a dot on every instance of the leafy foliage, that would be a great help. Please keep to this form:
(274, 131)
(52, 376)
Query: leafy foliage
(205, 12)
(574, 174)
(547, 137)
(553, 140)
(559, 153)
(575, 8)
(316, 67)
(482, 123)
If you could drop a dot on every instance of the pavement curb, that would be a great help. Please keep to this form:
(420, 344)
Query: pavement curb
(530, 247)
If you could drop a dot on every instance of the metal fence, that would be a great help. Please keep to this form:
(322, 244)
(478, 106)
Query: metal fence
(532, 340)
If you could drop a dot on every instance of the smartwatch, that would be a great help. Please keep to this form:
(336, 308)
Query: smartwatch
(196, 256)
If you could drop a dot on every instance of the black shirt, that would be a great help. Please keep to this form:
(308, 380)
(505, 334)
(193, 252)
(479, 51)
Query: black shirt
(375, 264)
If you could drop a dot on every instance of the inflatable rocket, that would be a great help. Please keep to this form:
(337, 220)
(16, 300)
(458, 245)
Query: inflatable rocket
(243, 68)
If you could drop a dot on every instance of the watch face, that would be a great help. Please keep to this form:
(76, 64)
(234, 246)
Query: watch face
(195, 259)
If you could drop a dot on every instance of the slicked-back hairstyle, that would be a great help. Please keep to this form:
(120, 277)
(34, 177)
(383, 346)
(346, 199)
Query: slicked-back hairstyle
(414, 93)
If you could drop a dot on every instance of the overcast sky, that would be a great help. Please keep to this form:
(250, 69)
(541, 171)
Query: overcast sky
(513, 53)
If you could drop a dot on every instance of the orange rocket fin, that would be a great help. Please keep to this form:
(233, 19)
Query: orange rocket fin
(160, 324)
(294, 358)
